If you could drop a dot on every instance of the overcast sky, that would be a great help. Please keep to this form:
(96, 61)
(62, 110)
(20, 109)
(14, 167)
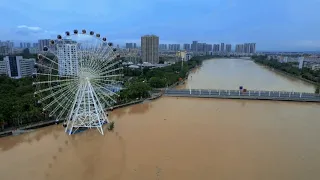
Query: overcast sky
(272, 24)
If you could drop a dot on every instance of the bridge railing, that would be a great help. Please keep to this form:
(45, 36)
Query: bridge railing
(238, 93)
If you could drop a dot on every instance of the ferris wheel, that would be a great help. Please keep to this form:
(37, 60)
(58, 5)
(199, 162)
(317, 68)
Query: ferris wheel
(78, 76)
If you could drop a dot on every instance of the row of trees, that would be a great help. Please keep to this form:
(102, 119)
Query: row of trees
(290, 68)
(141, 81)
(18, 105)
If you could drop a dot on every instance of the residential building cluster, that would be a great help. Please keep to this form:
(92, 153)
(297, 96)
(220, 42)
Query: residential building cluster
(246, 48)
(312, 62)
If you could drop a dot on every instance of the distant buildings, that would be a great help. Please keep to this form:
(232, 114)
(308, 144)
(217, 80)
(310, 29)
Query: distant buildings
(187, 47)
(163, 47)
(150, 49)
(67, 58)
(182, 55)
(17, 67)
(6, 47)
(43, 43)
(35, 45)
(222, 47)
(216, 48)
(194, 46)
(25, 45)
(246, 48)
(174, 47)
(228, 48)
(131, 45)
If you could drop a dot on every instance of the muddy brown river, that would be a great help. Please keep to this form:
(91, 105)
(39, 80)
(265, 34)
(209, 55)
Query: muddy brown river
(179, 139)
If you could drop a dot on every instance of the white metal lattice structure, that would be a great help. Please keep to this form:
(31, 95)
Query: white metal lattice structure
(76, 79)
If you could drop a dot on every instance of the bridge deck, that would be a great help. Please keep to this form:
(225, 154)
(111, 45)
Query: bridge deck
(237, 94)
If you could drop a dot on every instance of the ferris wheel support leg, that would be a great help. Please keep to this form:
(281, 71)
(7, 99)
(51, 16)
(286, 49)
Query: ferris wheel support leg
(97, 107)
(69, 120)
(74, 118)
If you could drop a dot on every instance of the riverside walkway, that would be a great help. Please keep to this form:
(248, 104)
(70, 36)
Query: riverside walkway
(237, 94)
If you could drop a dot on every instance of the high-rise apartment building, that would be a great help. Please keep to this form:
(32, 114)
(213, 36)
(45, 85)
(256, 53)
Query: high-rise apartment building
(67, 58)
(17, 67)
(208, 48)
(163, 47)
(25, 45)
(201, 47)
(131, 45)
(228, 48)
(6, 47)
(246, 48)
(194, 46)
(150, 49)
(222, 47)
(252, 48)
(43, 43)
(174, 47)
(216, 47)
(187, 47)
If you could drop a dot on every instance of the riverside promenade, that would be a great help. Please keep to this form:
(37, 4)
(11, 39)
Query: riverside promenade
(237, 94)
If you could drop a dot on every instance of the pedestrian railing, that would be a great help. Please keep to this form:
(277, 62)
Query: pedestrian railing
(251, 94)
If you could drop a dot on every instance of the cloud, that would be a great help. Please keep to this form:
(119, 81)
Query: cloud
(31, 28)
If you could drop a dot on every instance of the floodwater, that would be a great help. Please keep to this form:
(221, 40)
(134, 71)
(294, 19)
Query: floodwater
(177, 138)
(232, 73)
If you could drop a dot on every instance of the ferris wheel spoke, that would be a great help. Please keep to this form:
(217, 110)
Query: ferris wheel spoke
(61, 104)
(58, 98)
(107, 76)
(108, 80)
(54, 94)
(54, 75)
(102, 94)
(109, 66)
(51, 88)
(45, 57)
(112, 70)
(106, 90)
(53, 81)
(47, 67)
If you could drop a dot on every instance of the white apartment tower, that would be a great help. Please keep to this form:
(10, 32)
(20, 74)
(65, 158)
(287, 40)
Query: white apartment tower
(68, 59)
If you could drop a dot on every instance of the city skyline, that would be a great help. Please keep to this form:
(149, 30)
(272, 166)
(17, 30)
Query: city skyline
(274, 25)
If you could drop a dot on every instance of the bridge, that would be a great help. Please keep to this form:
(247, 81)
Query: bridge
(237, 94)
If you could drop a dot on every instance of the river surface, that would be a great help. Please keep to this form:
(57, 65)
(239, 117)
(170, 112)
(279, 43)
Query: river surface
(179, 138)
(232, 73)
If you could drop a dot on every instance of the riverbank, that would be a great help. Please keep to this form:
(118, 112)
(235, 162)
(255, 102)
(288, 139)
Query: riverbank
(287, 74)
(53, 122)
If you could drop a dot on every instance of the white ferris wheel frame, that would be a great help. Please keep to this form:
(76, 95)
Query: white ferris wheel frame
(78, 92)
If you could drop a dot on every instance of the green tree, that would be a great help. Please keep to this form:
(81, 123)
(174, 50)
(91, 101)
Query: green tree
(317, 91)
(157, 82)
(26, 51)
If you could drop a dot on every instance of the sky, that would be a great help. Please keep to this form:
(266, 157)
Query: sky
(275, 25)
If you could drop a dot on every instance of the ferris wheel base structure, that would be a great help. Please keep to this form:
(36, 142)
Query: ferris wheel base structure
(87, 111)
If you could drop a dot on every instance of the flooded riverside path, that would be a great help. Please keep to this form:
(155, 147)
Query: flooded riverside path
(177, 138)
